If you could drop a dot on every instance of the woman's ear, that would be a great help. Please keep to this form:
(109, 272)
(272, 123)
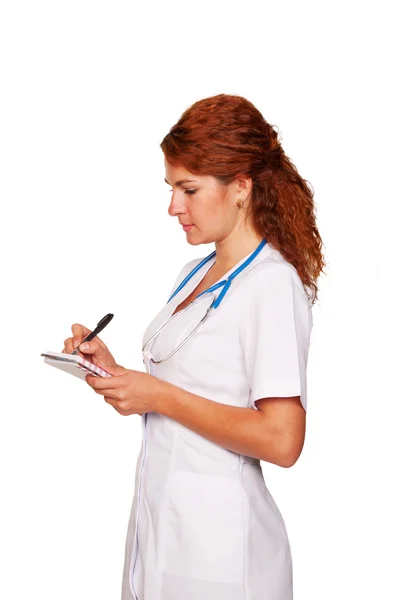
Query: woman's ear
(244, 184)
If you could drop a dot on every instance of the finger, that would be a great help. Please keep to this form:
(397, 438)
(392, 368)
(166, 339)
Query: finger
(68, 348)
(68, 345)
(79, 332)
(102, 384)
(107, 392)
(69, 351)
(112, 402)
(110, 394)
(118, 406)
(96, 348)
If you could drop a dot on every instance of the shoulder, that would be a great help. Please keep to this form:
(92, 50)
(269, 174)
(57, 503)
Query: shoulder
(191, 265)
(188, 267)
(274, 271)
(184, 272)
(274, 290)
(276, 303)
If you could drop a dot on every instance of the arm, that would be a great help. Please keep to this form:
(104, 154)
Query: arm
(274, 433)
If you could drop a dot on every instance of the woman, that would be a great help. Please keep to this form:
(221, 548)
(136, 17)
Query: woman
(223, 393)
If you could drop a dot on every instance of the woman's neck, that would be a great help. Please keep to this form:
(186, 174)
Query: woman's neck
(231, 251)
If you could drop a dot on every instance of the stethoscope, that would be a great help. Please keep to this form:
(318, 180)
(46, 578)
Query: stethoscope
(225, 284)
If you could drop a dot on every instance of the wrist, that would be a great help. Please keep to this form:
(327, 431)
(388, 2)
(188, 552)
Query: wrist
(160, 394)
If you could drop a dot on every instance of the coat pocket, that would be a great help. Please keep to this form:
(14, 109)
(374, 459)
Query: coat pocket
(204, 532)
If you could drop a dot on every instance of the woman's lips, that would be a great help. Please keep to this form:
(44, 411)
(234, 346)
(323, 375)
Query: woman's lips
(187, 227)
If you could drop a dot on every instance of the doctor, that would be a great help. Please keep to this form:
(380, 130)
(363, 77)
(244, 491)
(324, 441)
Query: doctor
(225, 383)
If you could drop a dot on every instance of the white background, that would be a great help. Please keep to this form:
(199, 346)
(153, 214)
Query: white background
(89, 89)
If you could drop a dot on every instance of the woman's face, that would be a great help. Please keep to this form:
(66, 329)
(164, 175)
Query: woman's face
(204, 203)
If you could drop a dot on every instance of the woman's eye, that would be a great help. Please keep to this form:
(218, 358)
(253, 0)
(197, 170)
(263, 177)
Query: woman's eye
(187, 191)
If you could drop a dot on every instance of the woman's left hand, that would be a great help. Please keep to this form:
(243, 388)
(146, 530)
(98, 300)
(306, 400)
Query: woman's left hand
(129, 392)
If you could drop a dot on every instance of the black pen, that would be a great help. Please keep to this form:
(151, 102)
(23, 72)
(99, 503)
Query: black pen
(100, 326)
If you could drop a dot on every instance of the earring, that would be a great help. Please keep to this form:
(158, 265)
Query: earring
(241, 202)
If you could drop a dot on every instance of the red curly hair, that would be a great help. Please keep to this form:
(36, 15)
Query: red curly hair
(224, 136)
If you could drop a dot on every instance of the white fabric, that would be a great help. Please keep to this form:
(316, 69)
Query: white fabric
(275, 333)
(207, 525)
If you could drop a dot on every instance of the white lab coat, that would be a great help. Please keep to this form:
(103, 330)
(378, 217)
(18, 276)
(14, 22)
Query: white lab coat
(203, 524)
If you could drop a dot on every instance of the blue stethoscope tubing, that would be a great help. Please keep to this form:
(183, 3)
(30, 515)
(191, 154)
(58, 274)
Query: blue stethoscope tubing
(225, 283)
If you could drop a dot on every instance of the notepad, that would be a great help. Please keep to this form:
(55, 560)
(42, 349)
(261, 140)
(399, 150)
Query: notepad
(73, 364)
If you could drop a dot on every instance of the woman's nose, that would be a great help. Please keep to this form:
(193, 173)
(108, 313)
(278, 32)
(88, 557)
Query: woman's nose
(175, 206)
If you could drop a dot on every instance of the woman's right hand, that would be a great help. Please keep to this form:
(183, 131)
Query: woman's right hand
(96, 352)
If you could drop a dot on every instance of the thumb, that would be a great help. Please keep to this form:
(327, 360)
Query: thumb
(115, 370)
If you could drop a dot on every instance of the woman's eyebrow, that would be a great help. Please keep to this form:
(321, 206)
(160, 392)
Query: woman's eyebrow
(178, 183)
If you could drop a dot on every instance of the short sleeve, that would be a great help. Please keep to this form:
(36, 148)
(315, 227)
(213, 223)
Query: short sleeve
(275, 331)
